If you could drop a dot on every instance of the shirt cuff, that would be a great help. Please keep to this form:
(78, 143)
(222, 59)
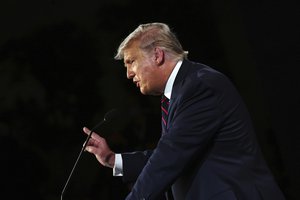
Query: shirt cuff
(118, 168)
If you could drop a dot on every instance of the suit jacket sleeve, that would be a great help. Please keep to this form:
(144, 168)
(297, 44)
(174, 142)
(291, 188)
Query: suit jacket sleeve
(133, 163)
(193, 120)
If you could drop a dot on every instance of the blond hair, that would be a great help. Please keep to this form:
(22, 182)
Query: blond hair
(153, 35)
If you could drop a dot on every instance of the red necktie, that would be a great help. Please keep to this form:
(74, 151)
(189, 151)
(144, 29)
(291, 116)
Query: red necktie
(164, 110)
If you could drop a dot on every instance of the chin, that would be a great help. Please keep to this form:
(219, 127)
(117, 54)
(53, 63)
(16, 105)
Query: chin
(147, 92)
(144, 92)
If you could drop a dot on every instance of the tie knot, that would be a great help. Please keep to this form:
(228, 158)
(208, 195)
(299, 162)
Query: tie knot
(165, 102)
(164, 99)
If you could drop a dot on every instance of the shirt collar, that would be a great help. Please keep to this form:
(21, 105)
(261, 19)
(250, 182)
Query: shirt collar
(170, 82)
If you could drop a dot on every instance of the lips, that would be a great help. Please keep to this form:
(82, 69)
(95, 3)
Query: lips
(136, 83)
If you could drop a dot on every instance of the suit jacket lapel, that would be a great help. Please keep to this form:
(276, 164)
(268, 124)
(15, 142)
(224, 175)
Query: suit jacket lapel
(183, 71)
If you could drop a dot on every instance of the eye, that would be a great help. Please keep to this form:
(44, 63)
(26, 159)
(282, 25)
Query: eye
(131, 61)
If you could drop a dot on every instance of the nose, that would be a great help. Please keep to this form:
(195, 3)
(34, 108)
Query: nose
(130, 73)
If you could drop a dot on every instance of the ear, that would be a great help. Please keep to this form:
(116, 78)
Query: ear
(159, 56)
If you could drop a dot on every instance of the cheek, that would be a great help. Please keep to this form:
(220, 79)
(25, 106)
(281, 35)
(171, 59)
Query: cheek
(149, 76)
(153, 81)
(143, 73)
(146, 72)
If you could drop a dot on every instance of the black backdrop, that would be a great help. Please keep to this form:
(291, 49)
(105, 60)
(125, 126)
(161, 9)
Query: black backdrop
(57, 74)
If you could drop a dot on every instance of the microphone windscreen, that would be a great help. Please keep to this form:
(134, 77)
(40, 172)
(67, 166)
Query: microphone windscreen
(111, 115)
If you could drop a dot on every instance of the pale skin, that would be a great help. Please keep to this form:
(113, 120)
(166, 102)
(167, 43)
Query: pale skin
(149, 72)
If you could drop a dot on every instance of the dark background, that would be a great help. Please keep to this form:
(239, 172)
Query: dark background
(57, 74)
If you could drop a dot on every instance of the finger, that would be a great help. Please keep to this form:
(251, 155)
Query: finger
(95, 136)
(86, 130)
(91, 149)
(90, 142)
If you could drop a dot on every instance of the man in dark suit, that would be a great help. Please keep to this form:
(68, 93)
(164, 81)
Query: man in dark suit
(208, 149)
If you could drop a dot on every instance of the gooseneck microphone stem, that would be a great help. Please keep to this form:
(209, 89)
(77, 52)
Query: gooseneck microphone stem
(82, 150)
(109, 116)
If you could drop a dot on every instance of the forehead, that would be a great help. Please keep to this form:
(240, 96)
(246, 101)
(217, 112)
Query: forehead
(132, 51)
(129, 53)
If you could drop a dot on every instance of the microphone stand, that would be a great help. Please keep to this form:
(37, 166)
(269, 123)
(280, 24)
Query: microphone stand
(83, 148)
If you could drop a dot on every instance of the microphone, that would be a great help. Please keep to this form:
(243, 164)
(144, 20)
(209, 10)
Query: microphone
(109, 116)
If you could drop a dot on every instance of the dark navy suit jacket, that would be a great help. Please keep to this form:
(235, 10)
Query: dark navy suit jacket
(208, 150)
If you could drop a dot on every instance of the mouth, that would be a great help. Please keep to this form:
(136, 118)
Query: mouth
(137, 83)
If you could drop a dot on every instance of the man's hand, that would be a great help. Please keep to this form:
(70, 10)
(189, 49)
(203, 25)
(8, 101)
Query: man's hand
(98, 146)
